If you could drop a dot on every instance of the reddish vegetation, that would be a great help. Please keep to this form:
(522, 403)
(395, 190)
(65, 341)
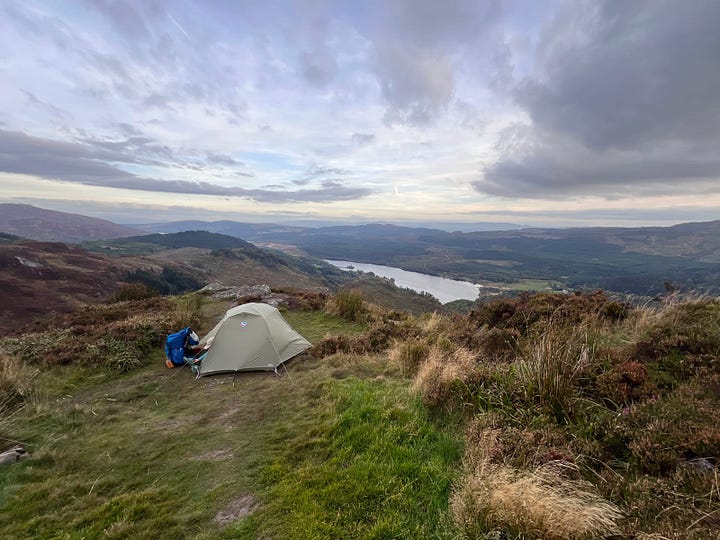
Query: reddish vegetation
(40, 279)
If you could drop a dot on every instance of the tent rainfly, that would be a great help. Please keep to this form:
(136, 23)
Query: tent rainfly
(250, 337)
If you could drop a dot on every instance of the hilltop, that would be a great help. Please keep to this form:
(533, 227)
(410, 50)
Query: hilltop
(546, 416)
(39, 224)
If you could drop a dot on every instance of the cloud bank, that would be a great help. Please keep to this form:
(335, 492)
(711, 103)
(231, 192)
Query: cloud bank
(623, 99)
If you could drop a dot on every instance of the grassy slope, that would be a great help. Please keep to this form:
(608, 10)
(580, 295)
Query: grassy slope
(381, 292)
(582, 417)
(337, 448)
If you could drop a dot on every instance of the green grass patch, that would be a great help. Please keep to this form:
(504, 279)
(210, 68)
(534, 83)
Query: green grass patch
(371, 465)
(315, 325)
(155, 453)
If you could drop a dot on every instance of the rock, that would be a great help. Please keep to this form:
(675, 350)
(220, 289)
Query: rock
(701, 464)
(13, 455)
(223, 292)
(214, 287)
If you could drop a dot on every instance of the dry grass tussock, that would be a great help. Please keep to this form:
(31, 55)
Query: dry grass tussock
(409, 354)
(551, 366)
(16, 382)
(433, 323)
(448, 377)
(543, 503)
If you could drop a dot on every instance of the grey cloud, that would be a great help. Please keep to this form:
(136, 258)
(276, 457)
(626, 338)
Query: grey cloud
(625, 98)
(76, 162)
(223, 159)
(134, 149)
(161, 102)
(362, 138)
(316, 170)
(641, 72)
(27, 148)
(415, 43)
(126, 20)
(331, 183)
(128, 130)
(416, 86)
(318, 67)
(52, 109)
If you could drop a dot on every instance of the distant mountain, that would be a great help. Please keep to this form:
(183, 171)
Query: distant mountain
(246, 230)
(157, 242)
(632, 260)
(232, 228)
(49, 225)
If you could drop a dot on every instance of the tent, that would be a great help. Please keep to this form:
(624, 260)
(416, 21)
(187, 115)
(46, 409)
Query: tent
(250, 337)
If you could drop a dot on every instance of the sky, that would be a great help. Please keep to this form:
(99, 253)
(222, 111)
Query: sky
(546, 113)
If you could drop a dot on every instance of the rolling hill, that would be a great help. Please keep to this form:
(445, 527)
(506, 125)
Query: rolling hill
(39, 279)
(49, 225)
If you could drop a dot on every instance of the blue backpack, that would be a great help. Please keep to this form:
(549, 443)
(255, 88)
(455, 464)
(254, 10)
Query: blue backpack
(175, 345)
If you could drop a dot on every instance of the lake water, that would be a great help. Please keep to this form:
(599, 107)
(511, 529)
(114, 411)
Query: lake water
(445, 290)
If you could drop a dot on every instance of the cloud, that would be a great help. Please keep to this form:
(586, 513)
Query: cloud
(223, 159)
(51, 109)
(624, 99)
(123, 17)
(85, 164)
(362, 138)
(417, 43)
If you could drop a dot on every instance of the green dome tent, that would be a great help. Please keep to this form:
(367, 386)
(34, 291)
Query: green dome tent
(250, 337)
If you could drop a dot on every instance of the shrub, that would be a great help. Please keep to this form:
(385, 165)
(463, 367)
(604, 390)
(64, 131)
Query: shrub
(132, 291)
(663, 433)
(624, 383)
(499, 344)
(350, 306)
(41, 348)
(688, 328)
(168, 281)
(188, 312)
(330, 345)
(118, 335)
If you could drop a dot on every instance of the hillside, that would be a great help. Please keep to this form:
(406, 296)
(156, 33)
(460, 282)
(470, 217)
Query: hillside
(627, 260)
(39, 224)
(42, 279)
(636, 261)
(38, 279)
(224, 258)
(545, 417)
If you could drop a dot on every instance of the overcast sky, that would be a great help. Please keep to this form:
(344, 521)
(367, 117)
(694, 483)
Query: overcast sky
(539, 113)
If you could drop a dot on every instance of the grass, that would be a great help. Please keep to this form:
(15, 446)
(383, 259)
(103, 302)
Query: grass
(315, 325)
(335, 448)
(371, 465)
(583, 417)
